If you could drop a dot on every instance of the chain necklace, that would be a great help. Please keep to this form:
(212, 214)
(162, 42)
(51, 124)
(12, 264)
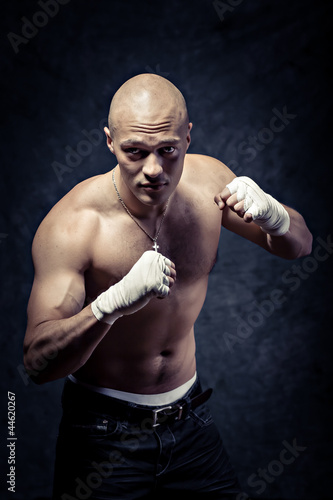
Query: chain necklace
(155, 245)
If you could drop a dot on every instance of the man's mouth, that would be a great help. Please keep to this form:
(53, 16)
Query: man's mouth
(153, 187)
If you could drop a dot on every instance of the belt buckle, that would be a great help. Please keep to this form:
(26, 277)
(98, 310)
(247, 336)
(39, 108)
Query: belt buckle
(158, 410)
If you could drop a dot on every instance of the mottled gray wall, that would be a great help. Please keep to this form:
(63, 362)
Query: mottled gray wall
(264, 335)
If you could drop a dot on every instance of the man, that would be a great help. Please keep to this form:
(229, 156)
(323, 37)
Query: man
(135, 420)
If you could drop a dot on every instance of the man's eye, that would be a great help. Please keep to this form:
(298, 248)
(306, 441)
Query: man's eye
(132, 151)
(168, 149)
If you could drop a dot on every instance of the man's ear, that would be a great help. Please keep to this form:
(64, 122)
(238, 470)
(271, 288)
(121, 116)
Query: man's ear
(188, 137)
(109, 140)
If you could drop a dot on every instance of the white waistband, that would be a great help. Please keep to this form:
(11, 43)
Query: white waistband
(165, 398)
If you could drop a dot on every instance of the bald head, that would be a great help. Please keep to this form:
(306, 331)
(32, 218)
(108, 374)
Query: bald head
(149, 95)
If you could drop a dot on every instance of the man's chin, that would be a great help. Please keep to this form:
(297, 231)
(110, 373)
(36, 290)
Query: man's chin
(153, 196)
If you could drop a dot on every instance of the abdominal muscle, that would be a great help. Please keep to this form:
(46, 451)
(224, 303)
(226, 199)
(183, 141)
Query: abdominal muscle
(151, 351)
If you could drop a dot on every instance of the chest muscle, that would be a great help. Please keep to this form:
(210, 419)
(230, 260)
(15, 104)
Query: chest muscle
(189, 237)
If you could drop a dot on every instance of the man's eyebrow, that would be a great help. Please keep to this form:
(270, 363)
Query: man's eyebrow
(138, 142)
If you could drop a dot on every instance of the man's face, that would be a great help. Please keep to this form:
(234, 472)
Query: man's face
(150, 149)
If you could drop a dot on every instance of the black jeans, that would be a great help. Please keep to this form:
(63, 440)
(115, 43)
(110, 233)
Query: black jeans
(101, 457)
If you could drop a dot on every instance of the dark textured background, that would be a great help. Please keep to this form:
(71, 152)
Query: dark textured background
(275, 385)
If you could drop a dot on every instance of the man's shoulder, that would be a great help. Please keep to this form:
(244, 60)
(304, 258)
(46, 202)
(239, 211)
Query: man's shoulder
(206, 169)
(87, 194)
(76, 213)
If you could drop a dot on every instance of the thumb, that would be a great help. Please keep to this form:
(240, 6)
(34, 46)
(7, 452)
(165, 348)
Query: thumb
(219, 202)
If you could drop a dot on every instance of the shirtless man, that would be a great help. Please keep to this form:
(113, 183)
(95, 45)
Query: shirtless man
(104, 257)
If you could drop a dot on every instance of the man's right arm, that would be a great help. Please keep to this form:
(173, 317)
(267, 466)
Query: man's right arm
(61, 336)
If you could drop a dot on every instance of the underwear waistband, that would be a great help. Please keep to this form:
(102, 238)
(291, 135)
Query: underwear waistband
(162, 399)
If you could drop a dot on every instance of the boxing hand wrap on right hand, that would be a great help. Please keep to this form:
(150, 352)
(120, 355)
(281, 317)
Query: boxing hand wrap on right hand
(148, 278)
(266, 211)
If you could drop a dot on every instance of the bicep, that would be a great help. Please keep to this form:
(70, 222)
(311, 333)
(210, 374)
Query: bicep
(56, 296)
(58, 289)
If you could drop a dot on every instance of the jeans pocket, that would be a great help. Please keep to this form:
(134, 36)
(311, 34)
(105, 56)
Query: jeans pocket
(89, 424)
(201, 416)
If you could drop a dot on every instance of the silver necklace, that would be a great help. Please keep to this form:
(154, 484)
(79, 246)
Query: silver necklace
(155, 245)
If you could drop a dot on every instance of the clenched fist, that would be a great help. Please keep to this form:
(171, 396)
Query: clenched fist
(244, 197)
(151, 276)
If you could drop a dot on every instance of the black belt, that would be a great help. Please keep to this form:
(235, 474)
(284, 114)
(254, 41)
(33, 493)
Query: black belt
(178, 411)
(79, 397)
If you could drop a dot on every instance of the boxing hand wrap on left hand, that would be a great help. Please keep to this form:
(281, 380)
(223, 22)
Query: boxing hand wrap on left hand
(266, 211)
(148, 278)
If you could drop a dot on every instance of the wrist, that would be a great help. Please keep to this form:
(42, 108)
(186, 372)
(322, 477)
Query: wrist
(276, 221)
(103, 310)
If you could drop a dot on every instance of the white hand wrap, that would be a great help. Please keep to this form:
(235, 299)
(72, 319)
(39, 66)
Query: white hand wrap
(266, 211)
(148, 278)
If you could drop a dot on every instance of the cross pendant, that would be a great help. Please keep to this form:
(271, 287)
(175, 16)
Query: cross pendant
(155, 246)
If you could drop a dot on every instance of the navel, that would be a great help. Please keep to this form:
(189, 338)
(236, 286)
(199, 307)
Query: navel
(165, 353)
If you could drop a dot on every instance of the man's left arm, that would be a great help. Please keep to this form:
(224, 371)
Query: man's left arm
(258, 217)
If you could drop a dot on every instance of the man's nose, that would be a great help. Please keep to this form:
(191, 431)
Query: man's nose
(152, 166)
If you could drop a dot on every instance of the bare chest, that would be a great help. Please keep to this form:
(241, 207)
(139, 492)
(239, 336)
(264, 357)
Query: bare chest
(188, 237)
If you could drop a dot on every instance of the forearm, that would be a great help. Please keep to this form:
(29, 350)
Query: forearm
(56, 348)
(296, 242)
